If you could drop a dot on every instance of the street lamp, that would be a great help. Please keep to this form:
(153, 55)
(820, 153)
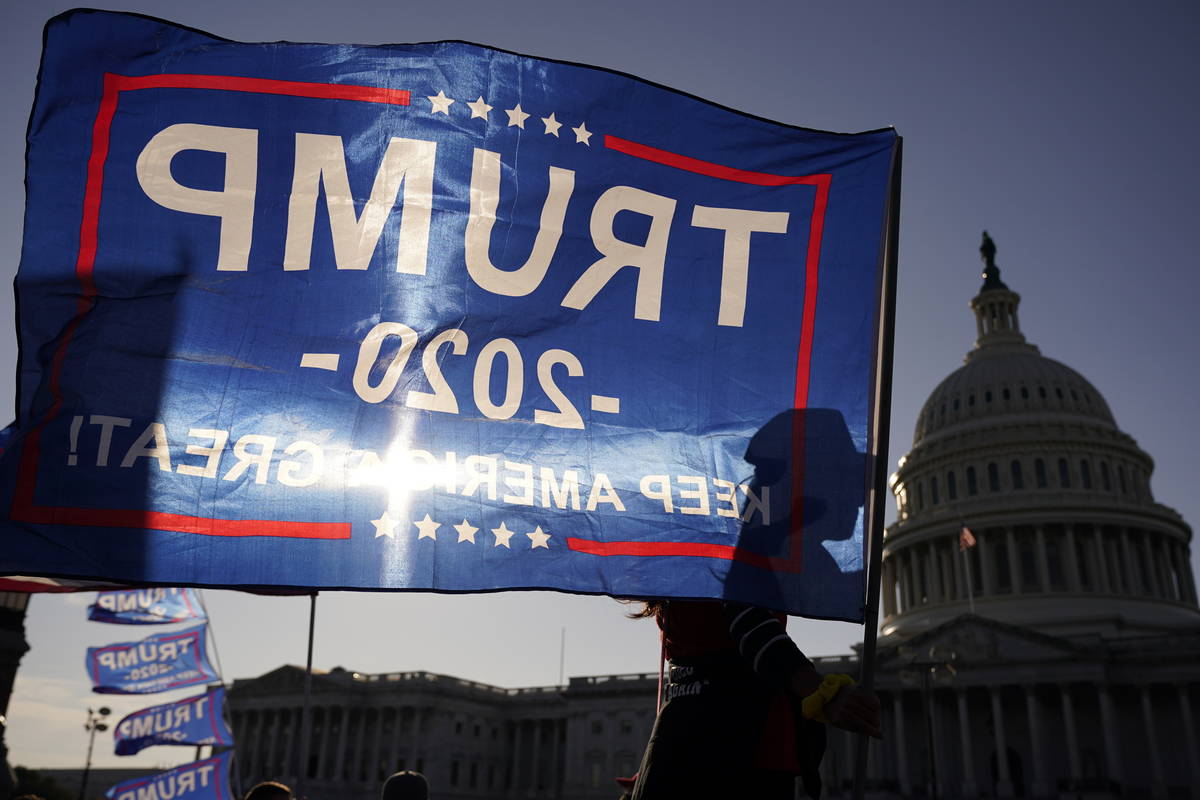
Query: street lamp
(95, 722)
(938, 668)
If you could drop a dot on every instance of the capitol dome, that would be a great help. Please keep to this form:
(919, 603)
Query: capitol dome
(1025, 453)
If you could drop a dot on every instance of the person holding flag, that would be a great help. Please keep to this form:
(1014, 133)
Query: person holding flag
(743, 708)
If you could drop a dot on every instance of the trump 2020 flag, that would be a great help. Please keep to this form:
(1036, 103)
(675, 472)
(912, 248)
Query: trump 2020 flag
(207, 779)
(194, 720)
(436, 317)
(154, 664)
(153, 606)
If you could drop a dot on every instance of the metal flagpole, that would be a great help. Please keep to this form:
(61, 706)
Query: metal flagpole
(306, 714)
(882, 412)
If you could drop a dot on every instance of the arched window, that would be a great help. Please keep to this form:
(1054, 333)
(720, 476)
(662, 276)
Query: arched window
(1039, 473)
(1064, 474)
(951, 486)
(993, 477)
(933, 490)
(972, 486)
(920, 496)
(1085, 473)
(1121, 479)
(1104, 478)
(1017, 479)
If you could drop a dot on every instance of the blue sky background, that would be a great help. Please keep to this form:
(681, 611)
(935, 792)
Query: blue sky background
(1064, 128)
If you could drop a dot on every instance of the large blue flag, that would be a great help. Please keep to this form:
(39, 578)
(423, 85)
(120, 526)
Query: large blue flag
(192, 720)
(436, 317)
(152, 606)
(200, 780)
(154, 664)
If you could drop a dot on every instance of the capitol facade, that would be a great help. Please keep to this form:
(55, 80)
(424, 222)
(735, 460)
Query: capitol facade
(1040, 634)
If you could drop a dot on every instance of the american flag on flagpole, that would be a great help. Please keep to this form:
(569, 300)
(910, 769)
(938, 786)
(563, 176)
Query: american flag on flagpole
(966, 539)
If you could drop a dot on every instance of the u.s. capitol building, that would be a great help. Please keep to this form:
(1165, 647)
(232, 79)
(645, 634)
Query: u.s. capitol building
(1059, 656)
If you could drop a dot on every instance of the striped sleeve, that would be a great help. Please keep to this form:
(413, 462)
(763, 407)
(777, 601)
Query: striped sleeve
(764, 644)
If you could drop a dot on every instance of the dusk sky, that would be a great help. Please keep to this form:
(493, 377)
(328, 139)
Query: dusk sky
(1063, 128)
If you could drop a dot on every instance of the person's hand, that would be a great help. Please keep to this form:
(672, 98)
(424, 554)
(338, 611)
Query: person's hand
(856, 710)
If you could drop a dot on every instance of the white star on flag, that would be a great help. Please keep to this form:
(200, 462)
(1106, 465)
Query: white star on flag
(502, 535)
(538, 539)
(466, 532)
(479, 108)
(552, 125)
(582, 134)
(385, 525)
(441, 103)
(428, 528)
(516, 117)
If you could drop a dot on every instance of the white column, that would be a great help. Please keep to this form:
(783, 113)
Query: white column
(555, 787)
(1043, 563)
(1126, 566)
(535, 768)
(256, 741)
(323, 754)
(1158, 789)
(416, 736)
(935, 576)
(360, 746)
(984, 546)
(1014, 564)
(910, 584)
(373, 766)
(1153, 587)
(960, 572)
(1109, 722)
(517, 737)
(889, 587)
(1189, 733)
(1074, 580)
(1101, 560)
(339, 756)
(1068, 712)
(1004, 787)
(969, 788)
(289, 742)
(1037, 743)
(901, 750)
(946, 561)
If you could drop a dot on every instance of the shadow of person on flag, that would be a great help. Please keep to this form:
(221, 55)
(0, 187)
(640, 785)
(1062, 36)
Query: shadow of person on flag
(800, 548)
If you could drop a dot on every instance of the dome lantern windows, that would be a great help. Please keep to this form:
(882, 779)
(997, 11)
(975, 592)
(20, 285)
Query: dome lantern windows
(1018, 480)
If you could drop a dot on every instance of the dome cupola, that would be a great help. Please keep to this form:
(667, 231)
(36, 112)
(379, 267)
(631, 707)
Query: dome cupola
(1025, 452)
